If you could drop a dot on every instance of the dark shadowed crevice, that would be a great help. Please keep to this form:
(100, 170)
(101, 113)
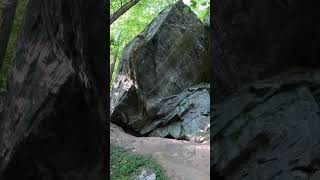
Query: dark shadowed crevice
(169, 137)
(215, 175)
(54, 152)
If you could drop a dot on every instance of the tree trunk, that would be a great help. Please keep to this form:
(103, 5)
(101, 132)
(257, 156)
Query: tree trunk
(122, 10)
(113, 61)
(7, 12)
(53, 123)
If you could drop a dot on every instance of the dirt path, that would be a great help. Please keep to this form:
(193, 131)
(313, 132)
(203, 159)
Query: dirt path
(181, 160)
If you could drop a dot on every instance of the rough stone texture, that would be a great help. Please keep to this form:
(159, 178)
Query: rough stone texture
(258, 39)
(169, 56)
(185, 115)
(53, 123)
(145, 174)
(2, 97)
(269, 129)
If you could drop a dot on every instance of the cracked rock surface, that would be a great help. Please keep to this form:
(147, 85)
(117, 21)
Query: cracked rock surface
(269, 129)
(265, 115)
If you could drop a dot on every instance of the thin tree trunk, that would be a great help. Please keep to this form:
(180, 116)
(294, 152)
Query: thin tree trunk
(7, 12)
(113, 62)
(122, 10)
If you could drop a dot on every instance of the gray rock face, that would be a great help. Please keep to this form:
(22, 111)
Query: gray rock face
(269, 129)
(265, 122)
(169, 56)
(185, 115)
(145, 174)
(53, 121)
(258, 39)
(1, 104)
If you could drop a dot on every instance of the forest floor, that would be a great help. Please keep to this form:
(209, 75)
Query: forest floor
(180, 160)
(129, 165)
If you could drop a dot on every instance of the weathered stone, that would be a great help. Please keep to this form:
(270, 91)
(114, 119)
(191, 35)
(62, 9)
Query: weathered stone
(315, 176)
(145, 174)
(265, 122)
(1, 104)
(53, 122)
(185, 115)
(258, 39)
(269, 129)
(170, 55)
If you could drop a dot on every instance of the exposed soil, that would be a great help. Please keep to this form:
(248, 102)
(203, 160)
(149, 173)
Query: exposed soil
(181, 160)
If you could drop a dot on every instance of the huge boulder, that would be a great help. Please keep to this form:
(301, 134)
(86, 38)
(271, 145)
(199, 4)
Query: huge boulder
(53, 121)
(258, 39)
(170, 55)
(269, 129)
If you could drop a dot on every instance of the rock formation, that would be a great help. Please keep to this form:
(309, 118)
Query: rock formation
(189, 114)
(255, 40)
(269, 129)
(266, 118)
(156, 70)
(52, 125)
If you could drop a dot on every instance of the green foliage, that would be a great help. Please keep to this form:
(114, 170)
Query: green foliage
(200, 7)
(11, 47)
(138, 17)
(123, 164)
(116, 4)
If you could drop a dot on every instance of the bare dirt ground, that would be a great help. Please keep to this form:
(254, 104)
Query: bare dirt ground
(181, 160)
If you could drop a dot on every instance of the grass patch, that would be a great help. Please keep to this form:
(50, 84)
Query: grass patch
(12, 44)
(123, 164)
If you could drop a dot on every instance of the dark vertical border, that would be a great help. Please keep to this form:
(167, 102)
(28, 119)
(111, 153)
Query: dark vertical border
(212, 6)
(107, 59)
(213, 46)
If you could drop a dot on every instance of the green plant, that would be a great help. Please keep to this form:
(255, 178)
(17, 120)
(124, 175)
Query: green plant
(124, 163)
(12, 44)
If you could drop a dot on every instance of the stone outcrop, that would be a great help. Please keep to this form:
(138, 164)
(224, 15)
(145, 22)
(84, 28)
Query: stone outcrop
(53, 120)
(269, 129)
(185, 115)
(265, 117)
(255, 40)
(169, 56)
